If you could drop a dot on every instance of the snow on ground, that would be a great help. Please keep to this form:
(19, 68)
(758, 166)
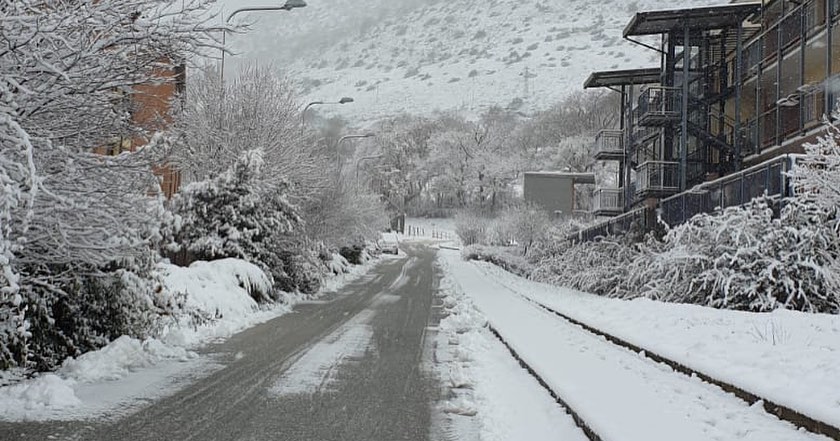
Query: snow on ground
(486, 383)
(622, 395)
(129, 372)
(315, 370)
(791, 358)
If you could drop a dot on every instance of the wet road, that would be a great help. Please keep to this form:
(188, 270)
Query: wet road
(378, 392)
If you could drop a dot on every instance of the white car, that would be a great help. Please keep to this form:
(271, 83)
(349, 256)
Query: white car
(389, 244)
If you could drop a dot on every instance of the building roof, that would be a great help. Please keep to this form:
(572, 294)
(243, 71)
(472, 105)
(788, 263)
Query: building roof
(578, 178)
(623, 77)
(698, 19)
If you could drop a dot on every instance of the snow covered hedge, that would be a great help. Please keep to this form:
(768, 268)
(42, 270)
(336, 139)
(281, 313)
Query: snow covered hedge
(758, 257)
(236, 215)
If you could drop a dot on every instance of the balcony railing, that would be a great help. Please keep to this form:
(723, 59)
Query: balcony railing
(657, 178)
(643, 134)
(658, 105)
(608, 201)
(609, 145)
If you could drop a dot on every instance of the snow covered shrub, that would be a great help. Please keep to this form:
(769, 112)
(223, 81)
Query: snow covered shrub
(530, 225)
(471, 228)
(499, 256)
(231, 215)
(353, 254)
(234, 215)
(73, 223)
(85, 314)
(596, 267)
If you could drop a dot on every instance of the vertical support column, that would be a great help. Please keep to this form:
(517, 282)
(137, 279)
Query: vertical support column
(803, 34)
(827, 98)
(624, 140)
(736, 139)
(686, 59)
(629, 147)
(777, 97)
(669, 69)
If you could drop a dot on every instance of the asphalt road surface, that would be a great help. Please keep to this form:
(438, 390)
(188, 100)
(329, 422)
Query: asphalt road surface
(380, 393)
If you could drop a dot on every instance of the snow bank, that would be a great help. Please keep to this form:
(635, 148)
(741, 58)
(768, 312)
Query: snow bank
(790, 357)
(223, 288)
(211, 300)
(121, 357)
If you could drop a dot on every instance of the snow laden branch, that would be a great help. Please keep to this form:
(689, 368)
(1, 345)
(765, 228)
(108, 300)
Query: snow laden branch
(78, 231)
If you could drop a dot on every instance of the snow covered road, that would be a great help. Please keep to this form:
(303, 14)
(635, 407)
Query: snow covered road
(621, 395)
(345, 368)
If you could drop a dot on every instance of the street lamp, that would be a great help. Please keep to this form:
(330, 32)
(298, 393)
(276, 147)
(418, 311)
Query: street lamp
(363, 159)
(343, 100)
(346, 137)
(288, 6)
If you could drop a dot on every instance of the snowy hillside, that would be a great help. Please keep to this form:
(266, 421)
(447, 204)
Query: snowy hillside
(448, 55)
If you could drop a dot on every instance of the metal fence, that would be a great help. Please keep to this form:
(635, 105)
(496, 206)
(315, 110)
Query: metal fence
(639, 218)
(768, 178)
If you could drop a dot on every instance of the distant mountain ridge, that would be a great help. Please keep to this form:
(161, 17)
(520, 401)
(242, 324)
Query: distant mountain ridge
(465, 55)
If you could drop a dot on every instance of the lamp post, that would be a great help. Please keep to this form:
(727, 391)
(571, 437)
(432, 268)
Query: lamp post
(288, 6)
(363, 159)
(343, 100)
(344, 138)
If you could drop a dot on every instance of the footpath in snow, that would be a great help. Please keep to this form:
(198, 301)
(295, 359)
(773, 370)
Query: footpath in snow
(490, 396)
(788, 357)
(129, 372)
(622, 395)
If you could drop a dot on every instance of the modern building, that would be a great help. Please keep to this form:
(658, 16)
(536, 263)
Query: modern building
(738, 88)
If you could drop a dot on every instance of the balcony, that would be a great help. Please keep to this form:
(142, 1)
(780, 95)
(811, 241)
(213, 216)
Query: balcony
(657, 179)
(608, 202)
(609, 145)
(658, 106)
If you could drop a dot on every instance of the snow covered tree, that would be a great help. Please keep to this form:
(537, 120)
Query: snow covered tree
(72, 222)
(256, 110)
(242, 214)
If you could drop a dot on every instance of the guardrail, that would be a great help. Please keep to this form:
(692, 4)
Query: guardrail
(639, 218)
(768, 178)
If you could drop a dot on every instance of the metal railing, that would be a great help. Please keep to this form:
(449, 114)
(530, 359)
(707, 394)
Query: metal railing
(608, 200)
(768, 178)
(657, 176)
(609, 143)
(657, 103)
(636, 219)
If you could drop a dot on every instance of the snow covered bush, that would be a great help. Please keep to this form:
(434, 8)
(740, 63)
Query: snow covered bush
(500, 256)
(238, 215)
(765, 255)
(596, 267)
(471, 228)
(78, 230)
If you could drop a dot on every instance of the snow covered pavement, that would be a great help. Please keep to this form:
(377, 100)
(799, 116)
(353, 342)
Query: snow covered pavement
(490, 397)
(788, 357)
(621, 395)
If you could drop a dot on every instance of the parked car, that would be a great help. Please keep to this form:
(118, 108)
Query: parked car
(389, 244)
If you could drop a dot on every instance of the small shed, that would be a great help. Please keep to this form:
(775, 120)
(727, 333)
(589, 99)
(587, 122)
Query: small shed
(555, 191)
